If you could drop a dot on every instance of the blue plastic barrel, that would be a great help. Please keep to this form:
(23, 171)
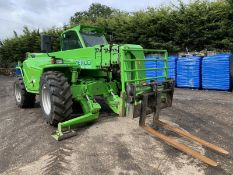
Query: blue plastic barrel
(216, 72)
(188, 72)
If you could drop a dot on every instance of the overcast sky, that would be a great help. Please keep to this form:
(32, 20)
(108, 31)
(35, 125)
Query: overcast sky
(14, 14)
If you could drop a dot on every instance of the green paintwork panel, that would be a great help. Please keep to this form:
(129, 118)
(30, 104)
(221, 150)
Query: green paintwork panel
(93, 88)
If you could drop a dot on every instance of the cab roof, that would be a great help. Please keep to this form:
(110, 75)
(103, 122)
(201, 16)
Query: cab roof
(84, 28)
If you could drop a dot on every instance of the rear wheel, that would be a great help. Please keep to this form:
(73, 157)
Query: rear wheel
(23, 98)
(55, 97)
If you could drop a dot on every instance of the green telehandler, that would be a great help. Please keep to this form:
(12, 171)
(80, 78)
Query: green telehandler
(87, 66)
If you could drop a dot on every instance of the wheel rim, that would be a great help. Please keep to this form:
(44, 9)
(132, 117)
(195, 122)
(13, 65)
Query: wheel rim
(46, 100)
(18, 95)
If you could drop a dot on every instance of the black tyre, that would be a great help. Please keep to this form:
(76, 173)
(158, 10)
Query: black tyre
(55, 97)
(23, 98)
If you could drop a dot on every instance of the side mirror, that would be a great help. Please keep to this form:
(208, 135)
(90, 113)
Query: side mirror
(45, 44)
(111, 39)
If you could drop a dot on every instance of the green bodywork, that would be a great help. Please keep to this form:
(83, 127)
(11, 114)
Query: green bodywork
(89, 70)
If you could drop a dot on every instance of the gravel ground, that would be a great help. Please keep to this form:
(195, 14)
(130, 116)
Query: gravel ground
(116, 145)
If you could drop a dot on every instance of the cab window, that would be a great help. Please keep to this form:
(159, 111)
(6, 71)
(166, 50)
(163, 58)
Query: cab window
(70, 41)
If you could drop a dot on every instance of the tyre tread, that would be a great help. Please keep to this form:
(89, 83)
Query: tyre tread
(60, 95)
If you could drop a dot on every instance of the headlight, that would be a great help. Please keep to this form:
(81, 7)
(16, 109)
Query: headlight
(59, 61)
(56, 61)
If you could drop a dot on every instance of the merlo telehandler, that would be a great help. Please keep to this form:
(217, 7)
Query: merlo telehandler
(87, 66)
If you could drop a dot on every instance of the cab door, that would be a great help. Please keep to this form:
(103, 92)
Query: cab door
(70, 41)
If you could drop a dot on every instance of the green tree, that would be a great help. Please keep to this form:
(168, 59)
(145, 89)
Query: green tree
(95, 11)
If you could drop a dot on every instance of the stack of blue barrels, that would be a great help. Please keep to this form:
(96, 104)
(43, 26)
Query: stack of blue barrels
(172, 67)
(212, 72)
(160, 64)
(216, 72)
(150, 64)
(188, 72)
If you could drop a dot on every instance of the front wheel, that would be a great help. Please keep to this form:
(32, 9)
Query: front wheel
(23, 98)
(55, 97)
